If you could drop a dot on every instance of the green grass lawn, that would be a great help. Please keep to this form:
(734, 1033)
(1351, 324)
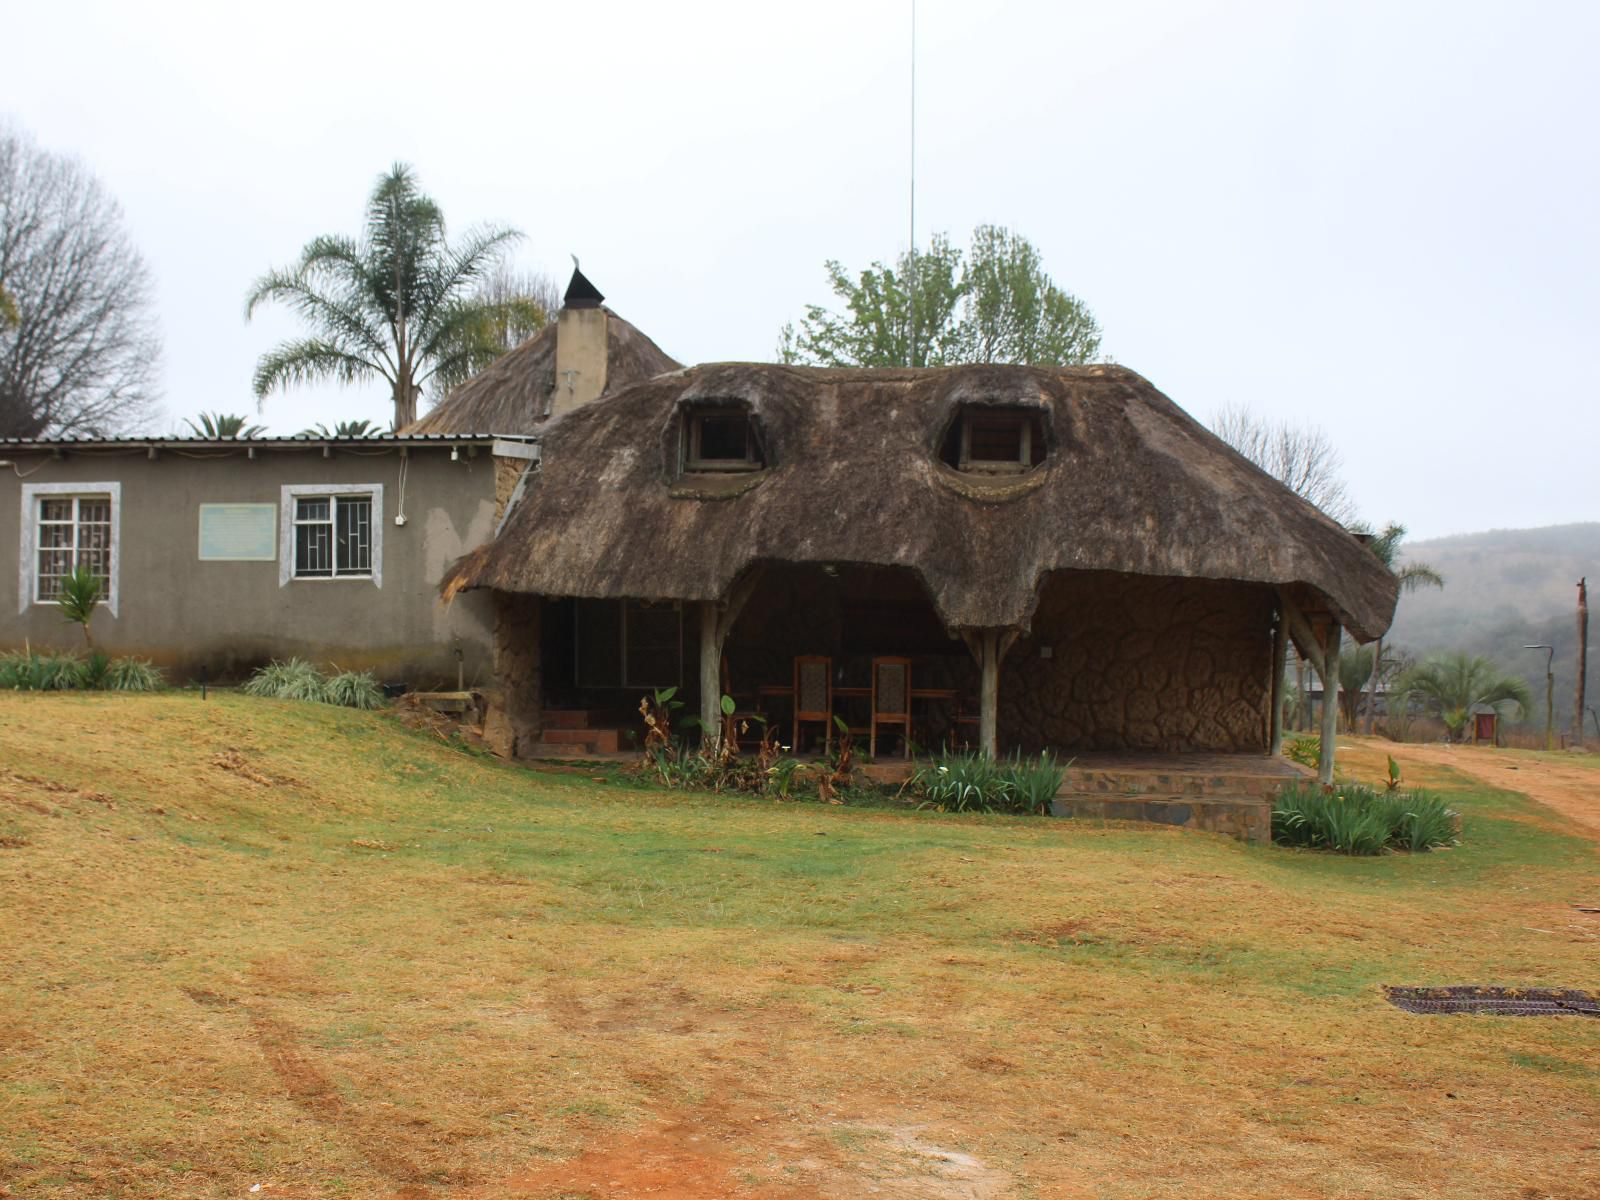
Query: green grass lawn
(259, 942)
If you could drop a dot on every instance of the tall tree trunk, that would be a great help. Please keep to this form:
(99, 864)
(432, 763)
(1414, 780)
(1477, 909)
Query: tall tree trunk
(1583, 660)
(1372, 690)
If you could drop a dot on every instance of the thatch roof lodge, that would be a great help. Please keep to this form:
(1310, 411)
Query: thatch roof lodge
(1133, 574)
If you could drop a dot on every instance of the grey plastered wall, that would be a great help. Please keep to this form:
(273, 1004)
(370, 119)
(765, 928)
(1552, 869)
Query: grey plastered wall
(231, 616)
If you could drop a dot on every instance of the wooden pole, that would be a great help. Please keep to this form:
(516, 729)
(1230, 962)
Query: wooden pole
(1330, 704)
(1583, 660)
(989, 693)
(710, 675)
(1280, 650)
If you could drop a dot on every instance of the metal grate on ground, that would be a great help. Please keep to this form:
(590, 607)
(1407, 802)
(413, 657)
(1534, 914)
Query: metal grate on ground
(1495, 1001)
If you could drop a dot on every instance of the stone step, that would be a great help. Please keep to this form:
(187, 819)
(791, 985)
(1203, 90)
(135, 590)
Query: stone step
(571, 718)
(1247, 818)
(595, 741)
(559, 750)
(1152, 784)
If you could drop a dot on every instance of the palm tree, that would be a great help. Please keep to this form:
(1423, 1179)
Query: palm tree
(396, 303)
(224, 425)
(343, 429)
(1413, 575)
(1456, 684)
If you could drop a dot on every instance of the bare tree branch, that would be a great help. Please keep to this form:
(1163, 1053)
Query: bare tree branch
(1301, 457)
(82, 355)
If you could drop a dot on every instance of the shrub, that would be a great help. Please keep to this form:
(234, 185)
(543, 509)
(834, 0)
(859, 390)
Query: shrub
(1356, 819)
(29, 671)
(974, 782)
(297, 679)
(132, 675)
(1305, 750)
(354, 689)
(292, 680)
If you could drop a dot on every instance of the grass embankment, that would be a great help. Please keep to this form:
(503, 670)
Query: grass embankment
(260, 942)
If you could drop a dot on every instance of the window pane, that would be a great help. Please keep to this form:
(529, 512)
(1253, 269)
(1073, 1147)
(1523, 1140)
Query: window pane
(313, 509)
(55, 509)
(354, 525)
(53, 565)
(313, 550)
(95, 510)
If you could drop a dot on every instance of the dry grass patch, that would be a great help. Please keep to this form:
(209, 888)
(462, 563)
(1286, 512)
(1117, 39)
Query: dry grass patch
(256, 942)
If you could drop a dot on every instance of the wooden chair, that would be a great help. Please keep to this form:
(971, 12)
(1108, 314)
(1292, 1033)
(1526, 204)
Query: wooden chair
(891, 699)
(813, 697)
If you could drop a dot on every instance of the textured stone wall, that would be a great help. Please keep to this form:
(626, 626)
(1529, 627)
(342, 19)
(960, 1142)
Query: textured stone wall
(1141, 663)
(512, 723)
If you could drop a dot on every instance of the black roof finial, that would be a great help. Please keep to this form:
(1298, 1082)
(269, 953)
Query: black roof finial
(580, 292)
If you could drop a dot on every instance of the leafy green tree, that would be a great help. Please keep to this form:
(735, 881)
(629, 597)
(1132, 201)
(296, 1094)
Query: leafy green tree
(344, 429)
(224, 425)
(1455, 684)
(80, 593)
(395, 304)
(992, 304)
(1413, 575)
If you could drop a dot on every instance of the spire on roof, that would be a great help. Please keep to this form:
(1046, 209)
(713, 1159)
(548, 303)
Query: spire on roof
(580, 292)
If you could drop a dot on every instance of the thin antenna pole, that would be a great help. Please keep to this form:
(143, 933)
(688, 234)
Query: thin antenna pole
(913, 280)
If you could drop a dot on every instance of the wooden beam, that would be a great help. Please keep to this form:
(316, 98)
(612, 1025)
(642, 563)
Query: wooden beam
(1305, 635)
(1330, 704)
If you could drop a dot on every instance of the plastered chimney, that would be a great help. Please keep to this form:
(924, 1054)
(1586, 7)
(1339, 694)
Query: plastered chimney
(580, 346)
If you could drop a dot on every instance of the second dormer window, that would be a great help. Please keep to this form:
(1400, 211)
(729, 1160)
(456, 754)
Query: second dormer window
(720, 439)
(995, 441)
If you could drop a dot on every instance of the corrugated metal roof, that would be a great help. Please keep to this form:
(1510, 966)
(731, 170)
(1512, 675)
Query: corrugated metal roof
(386, 439)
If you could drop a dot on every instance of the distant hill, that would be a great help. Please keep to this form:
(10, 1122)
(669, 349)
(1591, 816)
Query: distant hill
(1505, 589)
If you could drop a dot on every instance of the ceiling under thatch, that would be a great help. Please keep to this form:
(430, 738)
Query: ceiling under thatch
(1132, 483)
(511, 395)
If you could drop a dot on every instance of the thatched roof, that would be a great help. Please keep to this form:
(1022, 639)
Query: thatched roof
(1132, 483)
(511, 395)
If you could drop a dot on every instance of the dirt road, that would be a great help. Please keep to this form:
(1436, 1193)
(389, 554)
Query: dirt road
(1569, 788)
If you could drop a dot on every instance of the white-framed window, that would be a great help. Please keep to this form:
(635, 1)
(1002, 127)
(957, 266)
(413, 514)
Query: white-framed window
(332, 531)
(67, 527)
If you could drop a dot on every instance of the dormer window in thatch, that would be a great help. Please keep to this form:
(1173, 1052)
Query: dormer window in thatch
(991, 440)
(720, 438)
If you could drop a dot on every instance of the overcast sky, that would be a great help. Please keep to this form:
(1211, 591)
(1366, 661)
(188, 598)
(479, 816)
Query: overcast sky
(1378, 218)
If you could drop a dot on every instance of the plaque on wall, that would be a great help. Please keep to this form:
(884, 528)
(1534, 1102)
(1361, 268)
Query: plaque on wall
(238, 532)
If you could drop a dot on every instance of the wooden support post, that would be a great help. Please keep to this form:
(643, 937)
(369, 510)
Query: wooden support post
(710, 675)
(1280, 652)
(1330, 704)
(716, 622)
(989, 647)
